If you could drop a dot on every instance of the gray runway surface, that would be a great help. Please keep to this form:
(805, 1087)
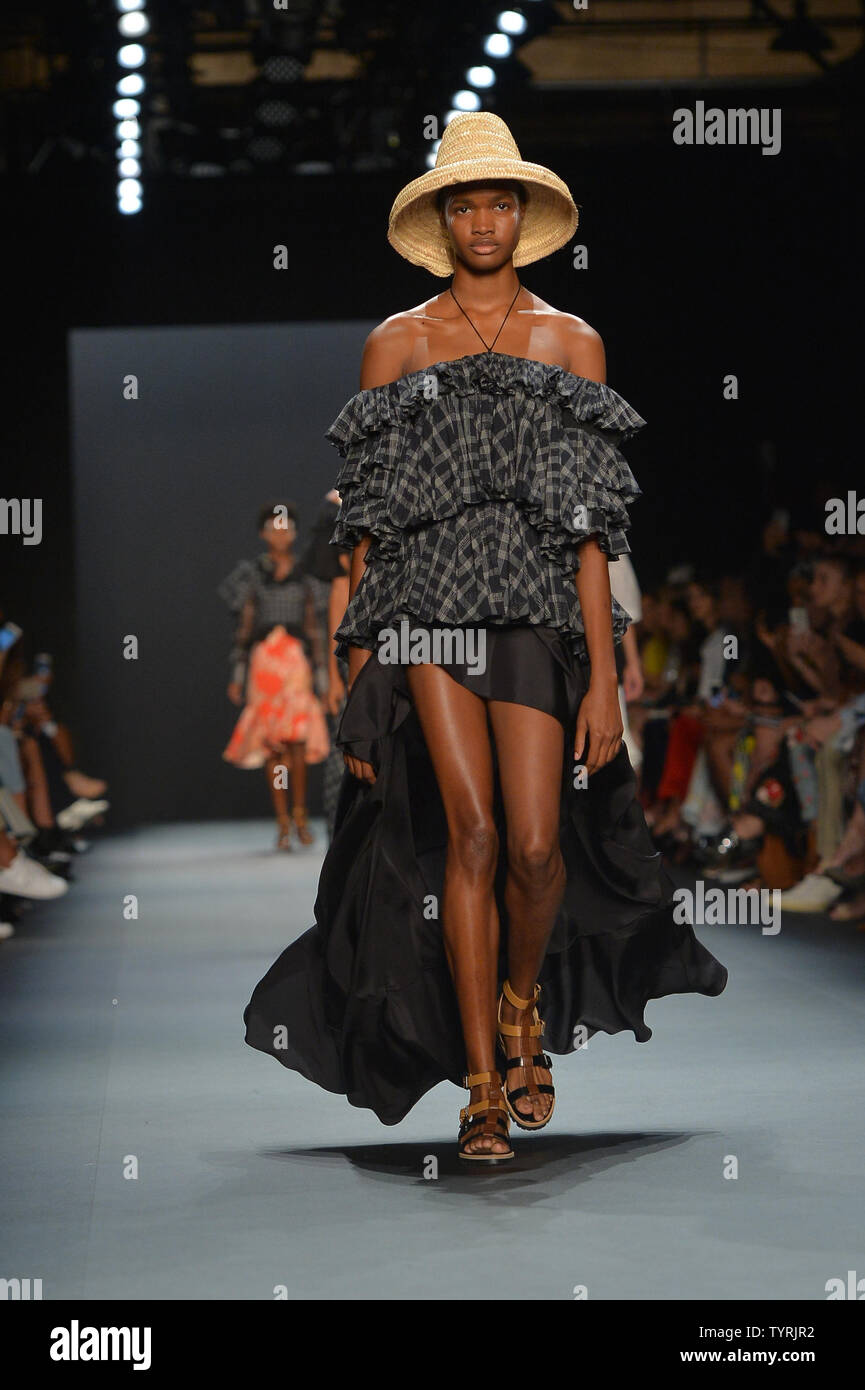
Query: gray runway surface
(123, 1050)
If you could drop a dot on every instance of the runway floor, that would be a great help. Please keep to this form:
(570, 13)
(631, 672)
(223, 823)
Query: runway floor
(124, 1052)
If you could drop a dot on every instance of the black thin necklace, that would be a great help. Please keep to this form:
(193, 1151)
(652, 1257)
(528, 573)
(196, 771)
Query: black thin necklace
(504, 320)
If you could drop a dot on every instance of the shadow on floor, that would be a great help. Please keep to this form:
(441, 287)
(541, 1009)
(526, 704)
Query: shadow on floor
(558, 1161)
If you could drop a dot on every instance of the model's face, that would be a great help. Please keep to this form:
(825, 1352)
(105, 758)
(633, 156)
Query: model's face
(483, 222)
(279, 533)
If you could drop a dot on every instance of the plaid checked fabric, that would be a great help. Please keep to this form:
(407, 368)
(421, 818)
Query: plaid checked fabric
(274, 602)
(478, 480)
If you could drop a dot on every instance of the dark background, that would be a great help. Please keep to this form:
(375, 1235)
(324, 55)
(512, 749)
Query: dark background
(166, 492)
(702, 262)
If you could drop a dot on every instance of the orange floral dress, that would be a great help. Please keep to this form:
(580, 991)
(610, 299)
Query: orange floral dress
(281, 704)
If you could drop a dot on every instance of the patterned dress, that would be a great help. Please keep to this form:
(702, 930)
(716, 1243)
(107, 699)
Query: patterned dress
(270, 657)
(477, 480)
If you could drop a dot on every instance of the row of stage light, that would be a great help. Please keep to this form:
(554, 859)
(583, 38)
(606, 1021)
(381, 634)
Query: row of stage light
(132, 26)
(511, 25)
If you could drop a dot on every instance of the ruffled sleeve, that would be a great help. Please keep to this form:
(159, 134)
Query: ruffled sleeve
(239, 585)
(595, 485)
(487, 429)
(238, 590)
(370, 441)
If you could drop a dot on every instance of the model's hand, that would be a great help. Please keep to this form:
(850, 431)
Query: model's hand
(365, 772)
(633, 681)
(235, 693)
(357, 659)
(601, 718)
(334, 695)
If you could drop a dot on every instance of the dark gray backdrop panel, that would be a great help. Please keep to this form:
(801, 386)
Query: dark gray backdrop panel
(166, 493)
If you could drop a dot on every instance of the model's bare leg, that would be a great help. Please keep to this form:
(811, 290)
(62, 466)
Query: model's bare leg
(454, 724)
(297, 762)
(278, 794)
(530, 748)
(297, 757)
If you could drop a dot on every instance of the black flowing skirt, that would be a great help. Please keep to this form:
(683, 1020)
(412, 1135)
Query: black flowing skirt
(363, 1003)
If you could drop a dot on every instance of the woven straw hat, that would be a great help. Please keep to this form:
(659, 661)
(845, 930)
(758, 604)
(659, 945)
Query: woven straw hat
(478, 145)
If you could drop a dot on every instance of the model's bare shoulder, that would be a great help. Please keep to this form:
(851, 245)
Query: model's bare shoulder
(571, 341)
(386, 350)
(583, 348)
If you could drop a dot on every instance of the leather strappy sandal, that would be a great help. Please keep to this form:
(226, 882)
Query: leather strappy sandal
(304, 834)
(283, 832)
(494, 1122)
(525, 1062)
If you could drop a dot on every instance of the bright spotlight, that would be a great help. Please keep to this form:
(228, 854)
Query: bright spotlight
(127, 130)
(511, 22)
(132, 26)
(480, 76)
(466, 101)
(129, 188)
(129, 168)
(132, 85)
(126, 106)
(131, 55)
(497, 46)
(128, 205)
(129, 149)
(126, 5)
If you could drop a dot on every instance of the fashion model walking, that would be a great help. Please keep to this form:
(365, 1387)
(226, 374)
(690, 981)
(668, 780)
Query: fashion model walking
(488, 842)
(282, 725)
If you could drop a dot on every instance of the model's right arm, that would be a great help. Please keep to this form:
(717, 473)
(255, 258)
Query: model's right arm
(385, 351)
(243, 630)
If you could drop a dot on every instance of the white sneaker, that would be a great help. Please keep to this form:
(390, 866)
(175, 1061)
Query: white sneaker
(78, 813)
(24, 878)
(6, 930)
(814, 893)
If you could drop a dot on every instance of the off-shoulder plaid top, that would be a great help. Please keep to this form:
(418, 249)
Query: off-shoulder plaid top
(478, 480)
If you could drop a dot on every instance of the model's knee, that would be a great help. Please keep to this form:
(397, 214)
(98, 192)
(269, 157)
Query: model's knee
(536, 862)
(474, 846)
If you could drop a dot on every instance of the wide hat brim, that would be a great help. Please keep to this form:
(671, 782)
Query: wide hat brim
(415, 230)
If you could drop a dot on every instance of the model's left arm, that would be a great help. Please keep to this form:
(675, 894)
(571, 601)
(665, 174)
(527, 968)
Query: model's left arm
(312, 627)
(600, 717)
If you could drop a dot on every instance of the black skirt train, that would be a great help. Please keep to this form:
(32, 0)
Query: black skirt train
(363, 1003)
